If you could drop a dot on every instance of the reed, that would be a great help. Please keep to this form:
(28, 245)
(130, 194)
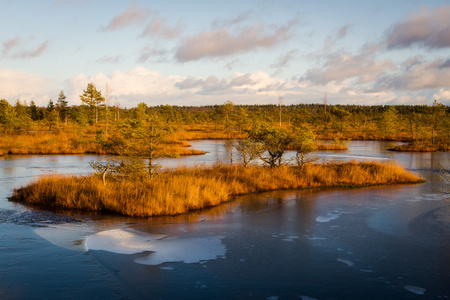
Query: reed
(178, 191)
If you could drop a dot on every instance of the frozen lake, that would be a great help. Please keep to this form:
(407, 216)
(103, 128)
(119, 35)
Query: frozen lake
(390, 242)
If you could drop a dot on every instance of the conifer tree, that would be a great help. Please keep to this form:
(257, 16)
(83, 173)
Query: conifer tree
(93, 98)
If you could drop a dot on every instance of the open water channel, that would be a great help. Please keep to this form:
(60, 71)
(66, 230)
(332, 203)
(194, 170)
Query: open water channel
(390, 242)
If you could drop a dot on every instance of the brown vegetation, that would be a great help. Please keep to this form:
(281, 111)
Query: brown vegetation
(179, 191)
(413, 148)
(334, 146)
(419, 147)
(47, 143)
(70, 143)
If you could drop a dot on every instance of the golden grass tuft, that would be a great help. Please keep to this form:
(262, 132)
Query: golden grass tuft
(414, 148)
(332, 147)
(47, 143)
(71, 143)
(178, 191)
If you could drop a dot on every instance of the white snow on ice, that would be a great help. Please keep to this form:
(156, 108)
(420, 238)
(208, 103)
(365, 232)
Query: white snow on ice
(164, 249)
(328, 217)
(66, 236)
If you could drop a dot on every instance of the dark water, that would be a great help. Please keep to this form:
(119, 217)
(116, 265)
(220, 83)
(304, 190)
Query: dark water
(374, 243)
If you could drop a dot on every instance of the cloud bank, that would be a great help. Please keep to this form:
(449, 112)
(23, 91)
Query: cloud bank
(429, 28)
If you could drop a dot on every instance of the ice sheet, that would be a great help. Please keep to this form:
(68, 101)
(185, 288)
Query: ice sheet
(68, 236)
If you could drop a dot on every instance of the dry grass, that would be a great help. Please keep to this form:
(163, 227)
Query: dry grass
(332, 147)
(71, 143)
(47, 143)
(178, 191)
(414, 148)
(207, 132)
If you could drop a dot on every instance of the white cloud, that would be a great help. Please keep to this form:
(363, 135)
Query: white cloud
(15, 85)
(427, 27)
(157, 28)
(443, 96)
(285, 59)
(153, 53)
(330, 41)
(16, 48)
(420, 75)
(339, 67)
(220, 23)
(255, 83)
(131, 16)
(231, 64)
(223, 42)
(151, 87)
(109, 59)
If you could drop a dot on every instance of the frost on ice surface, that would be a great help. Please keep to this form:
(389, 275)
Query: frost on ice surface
(122, 241)
(415, 289)
(66, 236)
(185, 249)
(345, 261)
(427, 197)
(176, 249)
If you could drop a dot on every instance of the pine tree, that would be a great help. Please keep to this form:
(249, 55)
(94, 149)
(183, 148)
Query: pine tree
(93, 98)
(62, 106)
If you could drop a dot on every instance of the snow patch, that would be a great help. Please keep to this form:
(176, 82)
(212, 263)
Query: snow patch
(65, 236)
(164, 249)
(328, 217)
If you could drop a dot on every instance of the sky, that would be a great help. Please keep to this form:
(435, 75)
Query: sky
(192, 53)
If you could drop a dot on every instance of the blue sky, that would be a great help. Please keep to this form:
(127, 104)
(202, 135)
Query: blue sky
(209, 52)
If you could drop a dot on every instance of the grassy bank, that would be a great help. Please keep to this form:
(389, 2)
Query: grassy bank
(179, 191)
(419, 148)
(71, 143)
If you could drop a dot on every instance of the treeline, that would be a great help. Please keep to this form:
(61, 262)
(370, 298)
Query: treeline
(421, 125)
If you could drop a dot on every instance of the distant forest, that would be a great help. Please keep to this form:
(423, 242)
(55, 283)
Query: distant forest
(416, 124)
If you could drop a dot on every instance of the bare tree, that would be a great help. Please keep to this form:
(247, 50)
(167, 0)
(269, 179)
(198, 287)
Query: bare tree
(280, 102)
(116, 113)
(247, 151)
(324, 99)
(107, 92)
